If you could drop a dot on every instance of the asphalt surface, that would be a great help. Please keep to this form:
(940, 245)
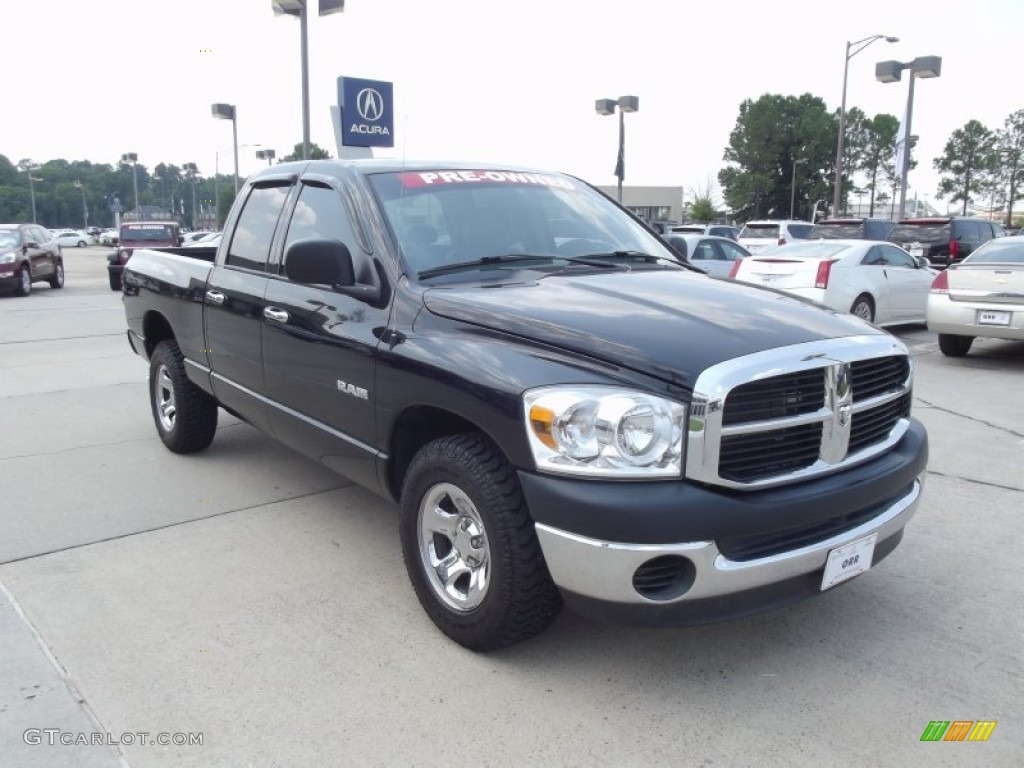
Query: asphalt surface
(255, 600)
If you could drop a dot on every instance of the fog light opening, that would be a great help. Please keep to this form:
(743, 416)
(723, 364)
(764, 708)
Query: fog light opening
(664, 578)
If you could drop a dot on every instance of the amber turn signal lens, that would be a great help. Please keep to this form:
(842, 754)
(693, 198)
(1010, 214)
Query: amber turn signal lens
(542, 421)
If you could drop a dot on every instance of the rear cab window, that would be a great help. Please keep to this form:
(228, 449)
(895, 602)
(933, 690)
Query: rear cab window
(254, 232)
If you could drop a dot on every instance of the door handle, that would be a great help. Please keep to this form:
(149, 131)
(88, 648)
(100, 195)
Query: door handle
(215, 297)
(278, 315)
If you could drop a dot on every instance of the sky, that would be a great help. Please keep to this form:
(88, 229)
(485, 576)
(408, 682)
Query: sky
(485, 80)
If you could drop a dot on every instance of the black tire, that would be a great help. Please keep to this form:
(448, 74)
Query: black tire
(519, 600)
(185, 416)
(115, 281)
(57, 281)
(81, 243)
(24, 287)
(955, 346)
(864, 308)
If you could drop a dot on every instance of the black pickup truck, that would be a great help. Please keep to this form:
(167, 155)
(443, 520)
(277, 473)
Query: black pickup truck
(562, 410)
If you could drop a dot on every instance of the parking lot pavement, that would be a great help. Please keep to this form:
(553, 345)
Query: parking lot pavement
(278, 622)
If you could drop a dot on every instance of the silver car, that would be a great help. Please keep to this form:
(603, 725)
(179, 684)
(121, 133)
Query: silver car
(715, 255)
(983, 295)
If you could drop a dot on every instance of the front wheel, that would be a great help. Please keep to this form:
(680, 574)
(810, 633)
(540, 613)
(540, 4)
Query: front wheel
(185, 416)
(24, 287)
(955, 346)
(470, 548)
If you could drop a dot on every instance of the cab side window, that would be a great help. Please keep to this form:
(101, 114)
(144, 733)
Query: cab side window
(254, 231)
(894, 257)
(320, 214)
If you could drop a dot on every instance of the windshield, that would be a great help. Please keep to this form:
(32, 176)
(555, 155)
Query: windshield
(760, 230)
(10, 239)
(448, 217)
(142, 232)
(998, 252)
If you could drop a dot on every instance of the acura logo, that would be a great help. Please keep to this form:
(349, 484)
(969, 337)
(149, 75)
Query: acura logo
(370, 104)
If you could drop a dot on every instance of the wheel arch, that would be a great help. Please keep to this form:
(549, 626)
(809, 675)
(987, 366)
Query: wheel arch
(156, 328)
(415, 427)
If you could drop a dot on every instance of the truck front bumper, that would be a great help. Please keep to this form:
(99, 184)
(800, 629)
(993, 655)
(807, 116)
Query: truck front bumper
(716, 555)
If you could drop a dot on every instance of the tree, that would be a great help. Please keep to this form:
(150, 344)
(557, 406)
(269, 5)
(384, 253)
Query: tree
(704, 207)
(969, 156)
(854, 148)
(879, 148)
(1010, 145)
(770, 135)
(316, 152)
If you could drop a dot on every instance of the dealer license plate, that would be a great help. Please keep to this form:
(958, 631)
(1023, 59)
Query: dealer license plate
(848, 561)
(993, 317)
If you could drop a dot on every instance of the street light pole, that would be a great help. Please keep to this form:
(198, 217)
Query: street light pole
(299, 8)
(85, 206)
(131, 157)
(860, 46)
(607, 107)
(229, 112)
(32, 194)
(792, 188)
(892, 72)
(192, 169)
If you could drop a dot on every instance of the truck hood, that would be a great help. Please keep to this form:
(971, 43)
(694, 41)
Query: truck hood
(672, 325)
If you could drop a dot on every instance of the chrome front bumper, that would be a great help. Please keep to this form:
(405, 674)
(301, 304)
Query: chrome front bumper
(603, 570)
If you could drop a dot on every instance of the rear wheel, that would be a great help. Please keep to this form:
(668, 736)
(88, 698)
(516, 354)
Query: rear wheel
(185, 416)
(864, 308)
(955, 346)
(24, 287)
(81, 243)
(470, 548)
(57, 281)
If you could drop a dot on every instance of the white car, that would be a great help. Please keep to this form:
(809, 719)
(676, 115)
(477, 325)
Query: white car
(758, 236)
(70, 238)
(108, 237)
(876, 281)
(715, 255)
(983, 295)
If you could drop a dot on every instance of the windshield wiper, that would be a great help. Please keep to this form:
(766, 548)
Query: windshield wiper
(509, 258)
(636, 255)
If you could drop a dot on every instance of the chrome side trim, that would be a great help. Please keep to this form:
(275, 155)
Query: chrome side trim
(200, 366)
(835, 356)
(302, 417)
(604, 570)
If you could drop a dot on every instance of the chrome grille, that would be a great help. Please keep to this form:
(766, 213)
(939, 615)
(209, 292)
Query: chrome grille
(788, 414)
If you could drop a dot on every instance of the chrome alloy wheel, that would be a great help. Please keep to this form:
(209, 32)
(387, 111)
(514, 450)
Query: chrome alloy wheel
(454, 550)
(163, 396)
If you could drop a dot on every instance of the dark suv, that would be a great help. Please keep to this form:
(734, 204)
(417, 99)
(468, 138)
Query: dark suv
(851, 229)
(29, 253)
(140, 234)
(943, 241)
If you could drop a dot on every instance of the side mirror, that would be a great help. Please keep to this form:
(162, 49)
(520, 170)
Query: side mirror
(923, 262)
(327, 262)
(320, 262)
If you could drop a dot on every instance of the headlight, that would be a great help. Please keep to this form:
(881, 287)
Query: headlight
(604, 432)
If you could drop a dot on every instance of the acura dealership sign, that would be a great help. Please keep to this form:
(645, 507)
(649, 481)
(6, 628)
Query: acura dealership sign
(367, 112)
